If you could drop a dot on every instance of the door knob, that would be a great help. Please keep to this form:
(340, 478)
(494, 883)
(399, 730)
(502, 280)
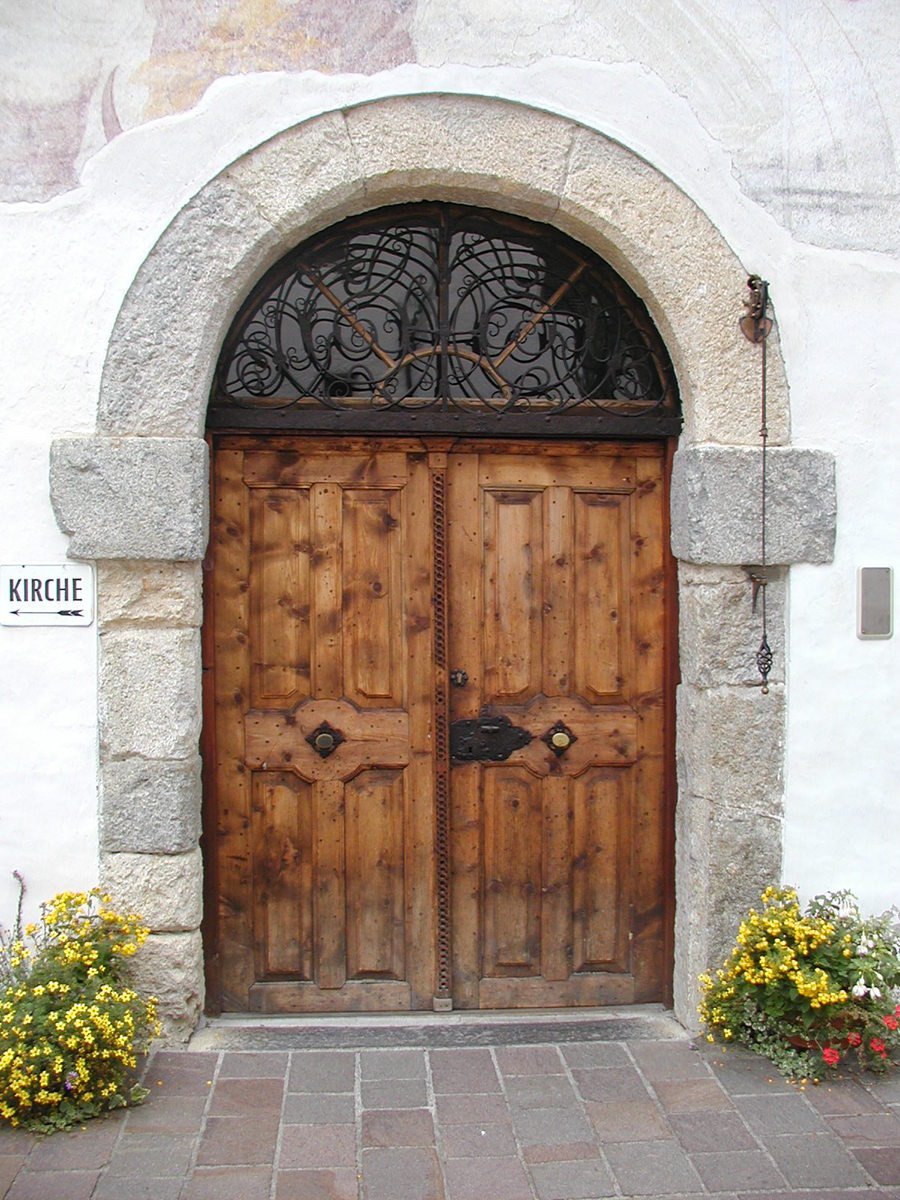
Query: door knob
(325, 739)
(559, 738)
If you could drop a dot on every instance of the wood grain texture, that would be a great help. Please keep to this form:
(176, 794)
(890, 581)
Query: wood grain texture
(322, 618)
(556, 585)
(559, 618)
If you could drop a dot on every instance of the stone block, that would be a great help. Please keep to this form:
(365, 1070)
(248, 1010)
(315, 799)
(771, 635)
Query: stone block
(302, 174)
(150, 807)
(719, 632)
(149, 593)
(461, 148)
(717, 506)
(692, 855)
(745, 859)
(166, 890)
(149, 693)
(134, 498)
(169, 331)
(731, 746)
(660, 241)
(725, 857)
(169, 966)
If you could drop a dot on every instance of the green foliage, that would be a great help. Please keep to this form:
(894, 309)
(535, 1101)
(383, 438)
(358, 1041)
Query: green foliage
(806, 989)
(70, 1026)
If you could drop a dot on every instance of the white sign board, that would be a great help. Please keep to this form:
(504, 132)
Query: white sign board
(46, 594)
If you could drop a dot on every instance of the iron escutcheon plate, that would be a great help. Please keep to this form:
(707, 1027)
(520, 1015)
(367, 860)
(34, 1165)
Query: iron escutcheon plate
(486, 739)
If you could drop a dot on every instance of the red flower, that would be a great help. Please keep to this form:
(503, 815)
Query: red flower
(854, 1038)
(890, 1021)
(877, 1045)
(831, 1056)
(897, 1011)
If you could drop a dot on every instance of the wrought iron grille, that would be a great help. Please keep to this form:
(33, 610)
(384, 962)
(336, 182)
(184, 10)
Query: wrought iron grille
(443, 318)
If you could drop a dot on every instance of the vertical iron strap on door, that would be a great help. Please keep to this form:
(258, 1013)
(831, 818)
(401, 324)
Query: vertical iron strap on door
(438, 463)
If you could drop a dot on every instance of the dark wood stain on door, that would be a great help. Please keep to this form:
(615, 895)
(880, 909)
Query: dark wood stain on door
(326, 868)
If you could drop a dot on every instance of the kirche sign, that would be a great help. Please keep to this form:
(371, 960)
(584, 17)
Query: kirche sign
(46, 594)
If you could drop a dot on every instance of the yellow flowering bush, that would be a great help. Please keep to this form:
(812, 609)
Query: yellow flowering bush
(804, 988)
(70, 1026)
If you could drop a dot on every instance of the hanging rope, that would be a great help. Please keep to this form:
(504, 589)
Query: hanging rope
(756, 327)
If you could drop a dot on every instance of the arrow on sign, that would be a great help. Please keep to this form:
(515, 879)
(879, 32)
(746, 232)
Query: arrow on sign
(49, 612)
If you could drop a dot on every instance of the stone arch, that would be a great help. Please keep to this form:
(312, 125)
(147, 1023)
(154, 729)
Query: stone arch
(134, 496)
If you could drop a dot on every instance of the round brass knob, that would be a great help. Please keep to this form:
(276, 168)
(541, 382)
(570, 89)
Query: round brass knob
(324, 741)
(561, 740)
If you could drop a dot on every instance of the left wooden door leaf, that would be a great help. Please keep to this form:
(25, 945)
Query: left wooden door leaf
(322, 632)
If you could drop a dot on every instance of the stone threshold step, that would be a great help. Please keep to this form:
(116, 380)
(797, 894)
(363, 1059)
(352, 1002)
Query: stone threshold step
(494, 1028)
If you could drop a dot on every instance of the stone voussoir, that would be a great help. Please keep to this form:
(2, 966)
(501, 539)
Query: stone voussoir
(679, 263)
(463, 148)
(177, 311)
(299, 174)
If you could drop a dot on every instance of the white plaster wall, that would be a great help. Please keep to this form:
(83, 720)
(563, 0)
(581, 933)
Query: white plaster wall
(843, 742)
(795, 104)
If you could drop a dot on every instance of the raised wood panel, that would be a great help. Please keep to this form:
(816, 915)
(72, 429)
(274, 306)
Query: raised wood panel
(513, 575)
(558, 609)
(313, 464)
(556, 879)
(374, 805)
(372, 601)
(327, 622)
(295, 996)
(512, 870)
(600, 870)
(568, 469)
(372, 738)
(280, 599)
(330, 885)
(601, 596)
(282, 875)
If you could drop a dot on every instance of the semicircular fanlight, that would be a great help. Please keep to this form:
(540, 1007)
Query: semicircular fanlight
(445, 318)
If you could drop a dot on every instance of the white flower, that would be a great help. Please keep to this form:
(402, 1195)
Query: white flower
(859, 988)
(875, 993)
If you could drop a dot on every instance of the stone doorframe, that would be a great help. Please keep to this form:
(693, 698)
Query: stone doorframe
(134, 497)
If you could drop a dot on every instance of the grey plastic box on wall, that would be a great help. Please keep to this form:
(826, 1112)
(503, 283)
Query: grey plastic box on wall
(875, 603)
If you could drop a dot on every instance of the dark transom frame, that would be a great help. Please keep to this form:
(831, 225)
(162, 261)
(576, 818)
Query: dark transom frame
(479, 323)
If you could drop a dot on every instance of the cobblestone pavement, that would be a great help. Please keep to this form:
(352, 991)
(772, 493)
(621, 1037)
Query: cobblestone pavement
(564, 1121)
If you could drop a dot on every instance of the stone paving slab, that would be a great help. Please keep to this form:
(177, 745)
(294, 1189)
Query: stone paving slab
(664, 1119)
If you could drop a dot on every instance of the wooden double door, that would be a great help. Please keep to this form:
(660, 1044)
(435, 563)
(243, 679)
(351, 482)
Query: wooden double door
(436, 725)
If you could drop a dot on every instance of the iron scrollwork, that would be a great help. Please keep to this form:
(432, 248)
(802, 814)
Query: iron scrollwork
(439, 308)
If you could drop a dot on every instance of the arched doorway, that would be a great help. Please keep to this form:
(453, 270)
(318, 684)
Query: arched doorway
(440, 627)
(133, 495)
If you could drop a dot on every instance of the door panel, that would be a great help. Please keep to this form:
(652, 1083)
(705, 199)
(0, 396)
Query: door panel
(557, 617)
(322, 627)
(334, 563)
